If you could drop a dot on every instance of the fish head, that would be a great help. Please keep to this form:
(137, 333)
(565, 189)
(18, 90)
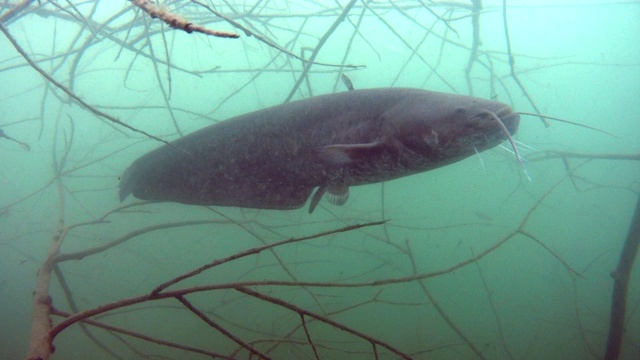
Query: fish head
(441, 128)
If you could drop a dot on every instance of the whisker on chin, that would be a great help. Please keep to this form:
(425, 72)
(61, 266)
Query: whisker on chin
(481, 161)
(505, 131)
(566, 122)
(521, 146)
(524, 160)
(528, 147)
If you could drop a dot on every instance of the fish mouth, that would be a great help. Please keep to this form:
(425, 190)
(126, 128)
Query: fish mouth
(507, 122)
(510, 119)
(504, 119)
(504, 111)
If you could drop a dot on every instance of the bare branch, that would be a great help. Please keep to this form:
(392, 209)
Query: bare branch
(177, 22)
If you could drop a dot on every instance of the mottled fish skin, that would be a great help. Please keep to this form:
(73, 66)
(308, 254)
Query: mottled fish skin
(274, 158)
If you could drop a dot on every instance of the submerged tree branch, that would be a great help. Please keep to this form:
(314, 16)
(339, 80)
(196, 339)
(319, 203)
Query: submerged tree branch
(177, 22)
(621, 276)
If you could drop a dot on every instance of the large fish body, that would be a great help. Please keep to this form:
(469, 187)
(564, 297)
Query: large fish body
(274, 158)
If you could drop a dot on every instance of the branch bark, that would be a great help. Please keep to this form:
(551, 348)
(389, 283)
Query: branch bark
(621, 285)
(177, 22)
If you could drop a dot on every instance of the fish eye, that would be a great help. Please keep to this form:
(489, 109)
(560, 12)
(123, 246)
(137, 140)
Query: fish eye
(460, 110)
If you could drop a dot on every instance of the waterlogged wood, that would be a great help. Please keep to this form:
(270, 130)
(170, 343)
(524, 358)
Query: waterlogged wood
(621, 276)
(177, 22)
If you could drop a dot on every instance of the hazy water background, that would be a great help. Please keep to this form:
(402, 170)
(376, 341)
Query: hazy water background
(578, 60)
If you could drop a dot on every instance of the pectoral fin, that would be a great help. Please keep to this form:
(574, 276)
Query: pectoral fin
(316, 197)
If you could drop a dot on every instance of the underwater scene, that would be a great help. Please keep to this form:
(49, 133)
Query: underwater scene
(308, 179)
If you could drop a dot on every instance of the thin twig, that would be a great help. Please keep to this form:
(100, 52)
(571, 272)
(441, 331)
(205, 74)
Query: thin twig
(592, 156)
(323, 319)
(316, 50)
(309, 340)
(145, 337)
(447, 319)
(503, 340)
(221, 329)
(258, 250)
(79, 255)
(266, 41)
(544, 246)
(512, 62)
(165, 97)
(476, 9)
(73, 95)
(74, 307)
